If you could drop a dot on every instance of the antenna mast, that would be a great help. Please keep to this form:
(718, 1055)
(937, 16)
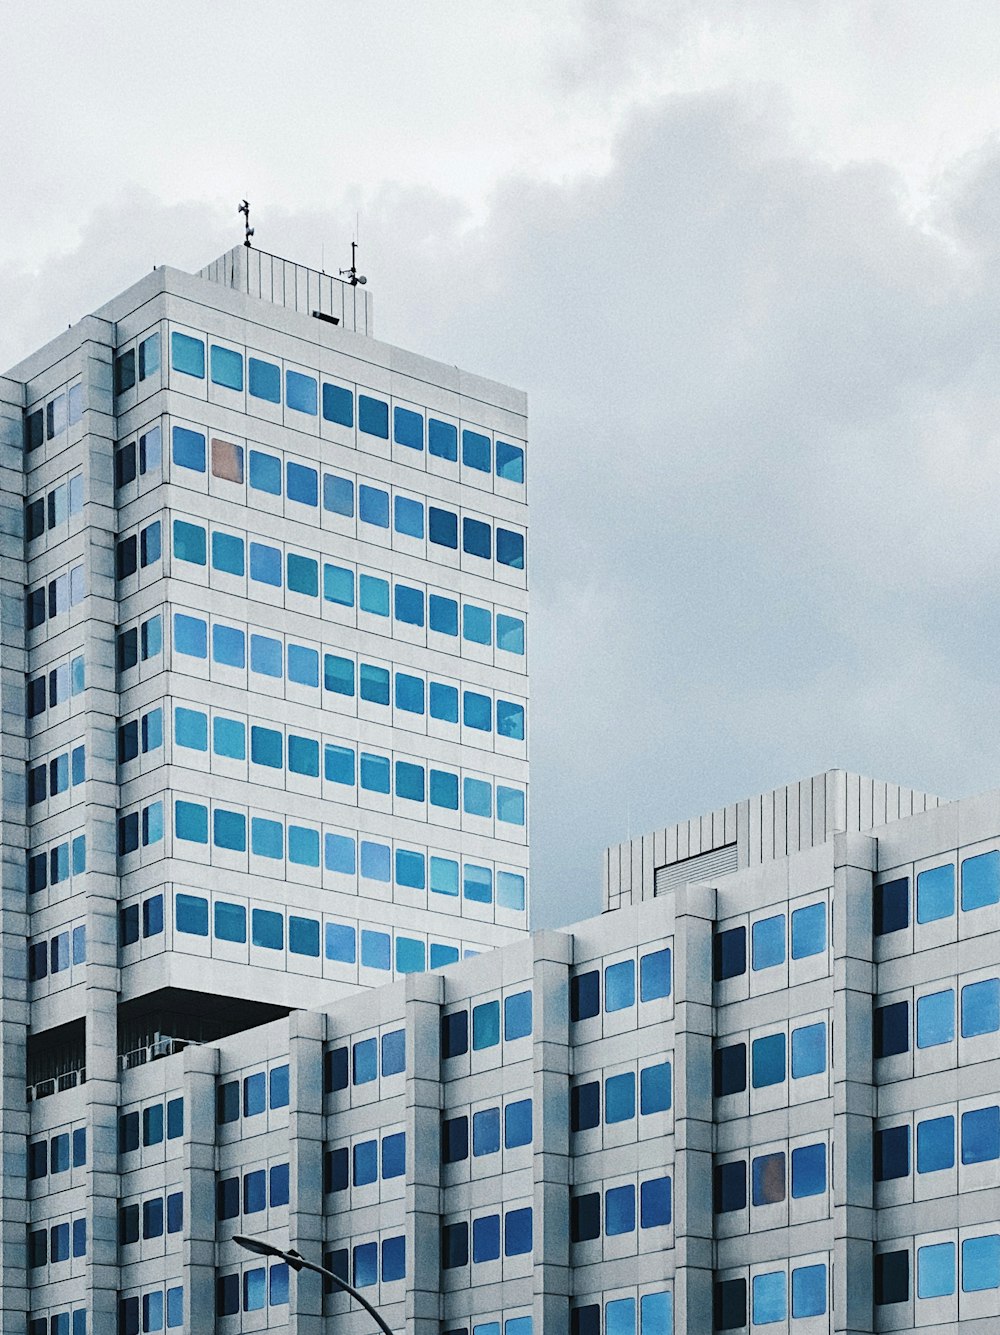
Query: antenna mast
(352, 275)
(244, 208)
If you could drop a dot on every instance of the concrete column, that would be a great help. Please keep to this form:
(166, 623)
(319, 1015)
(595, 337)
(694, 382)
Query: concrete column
(694, 918)
(855, 861)
(307, 1032)
(553, 1277)
(14, 1120)
(424, 995)
(201, 1066)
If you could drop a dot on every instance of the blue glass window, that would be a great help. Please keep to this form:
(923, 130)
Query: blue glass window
(373, 505)
(300, 393)
(808, 1050)
(478, 883)
(338, 495)
(517, 1232)
(267, 838)
(655, 1202)
(619, 985)
(510, 548)
(373, 416)
(187, 354)
(619, 1097)
(510, 720)
(510, 890)
(394, 1052)
(768, 1060)
(809, 1170)
(981, 1263)
(365, 1061)
(394, 1154)
(408, 428)
(230, 922)
(936, 893)
(654, 975)
(442, 527)
(409, 781)
(517, 1124)
(410, 869)
(442, 955)
(770, 1302)
(408, 517)
(191, 914)
(510, 634)
(485, 1025)
(477, 538)
(981, 880)
(265, 471)
(619, 1210)
(768, 1179)
(303, 845)
(338, 763)
(477, 624)
(935, 1018)
(229, 830)
(477, 711)
(301, 484)
(340, 855)
(517, 1016)
(375, 949)
(768, 942)
(936, 1269)
(981, 1008)
(409, 693)
(486, 1238)
(191, 821)
(365, 1161)
(935, 1144)
(444, 874)
(656, 1314)
(191, 728)
(809, 1290)
(444, 789)
(373, 595)
(442, 439)
(341, 942)
(655, 1088)
(264, 380)
(619, 1317)
(266, 656)
(981, 1135)
(373, 684)
(442, 614)
(486, 1131)
(338, 674)
(409, 605)
(303, 665)
(267, 929)
(411, 955)
(227, 367)
(376, 865)
(338, 585)
(477, 797)
(266, 747)
(338, 405)
(509, 462)
(229, 646)
(228, 553)
(189, 542)
(189, 449)
(808, 931)
(303, 755)
(476, 451)
(265, 564)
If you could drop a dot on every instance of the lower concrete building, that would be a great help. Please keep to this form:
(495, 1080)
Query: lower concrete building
(766, 1098)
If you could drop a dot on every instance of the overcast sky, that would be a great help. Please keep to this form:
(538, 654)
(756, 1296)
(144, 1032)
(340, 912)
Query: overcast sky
(743, 258)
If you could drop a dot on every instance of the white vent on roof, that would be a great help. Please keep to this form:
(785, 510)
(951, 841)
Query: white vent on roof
(703, 867)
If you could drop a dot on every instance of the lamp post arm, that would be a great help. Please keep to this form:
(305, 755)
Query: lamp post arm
(300, 1263)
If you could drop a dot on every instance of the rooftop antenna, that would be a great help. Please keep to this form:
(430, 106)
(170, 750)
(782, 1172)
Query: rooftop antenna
(353, 277)
(244, 208)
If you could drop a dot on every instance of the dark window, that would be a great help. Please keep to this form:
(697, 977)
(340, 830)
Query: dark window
(128, 925)
(126, 557)
(892, 906)
(34, 520)
(454, 1034)
(336, 1074)
(38, 1247)
(335, 1169)
(128, 1132)
(227, 1198)
(227, 1102)
(34, 432)
(127, 650)
(125, 371)
(729, 954)
(338, 1262)
(128, 1225)
(768, 1175)
(892, 1277)
(729, 1070)
(585, 995)
(729, 1187)
(442, 527)
(128, 833)
(454, 1139)
(125, 465)
(227, 1295)
(892, 1029)
(128, 742)
(477, 538)
(585, 1217)
(729, 1304)
(586, 1320)
(454, 1246)
(585, 1106)
(34, 608)
(35, 694)
(892, 1153)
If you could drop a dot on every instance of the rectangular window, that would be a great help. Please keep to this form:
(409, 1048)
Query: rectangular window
(187, 354)
(189, 449)
(936, 893)
(226, 367)
(227, 461)
(338, 405)
(264, 380)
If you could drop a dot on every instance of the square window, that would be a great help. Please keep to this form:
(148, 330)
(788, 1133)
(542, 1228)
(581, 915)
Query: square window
(373, 416)
(936, 893)
(808, 1170)
(768, 942)
(442, 440)
(981, 1135)
(264, 380)
(655, 1088)
(476, 451)
(619, 1097)
(768, 1060)
(770, 1302)
(768, 1179)
(226, 367)
(808, 931)
(935, 1144)
(936, 1270)
(936, 1018)
(338, 405)
(338, 495)
(808, 1050)
(981, 880)
(981, 1263)
(980, 1008)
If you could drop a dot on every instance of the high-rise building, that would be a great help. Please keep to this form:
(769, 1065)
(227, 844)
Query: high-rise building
(263, 672)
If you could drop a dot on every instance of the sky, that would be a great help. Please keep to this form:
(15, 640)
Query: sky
(743, 259)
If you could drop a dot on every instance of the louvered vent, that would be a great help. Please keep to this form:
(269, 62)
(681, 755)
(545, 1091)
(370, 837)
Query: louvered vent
(719, 862)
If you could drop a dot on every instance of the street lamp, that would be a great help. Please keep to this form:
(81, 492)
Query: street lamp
(299, 1262)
